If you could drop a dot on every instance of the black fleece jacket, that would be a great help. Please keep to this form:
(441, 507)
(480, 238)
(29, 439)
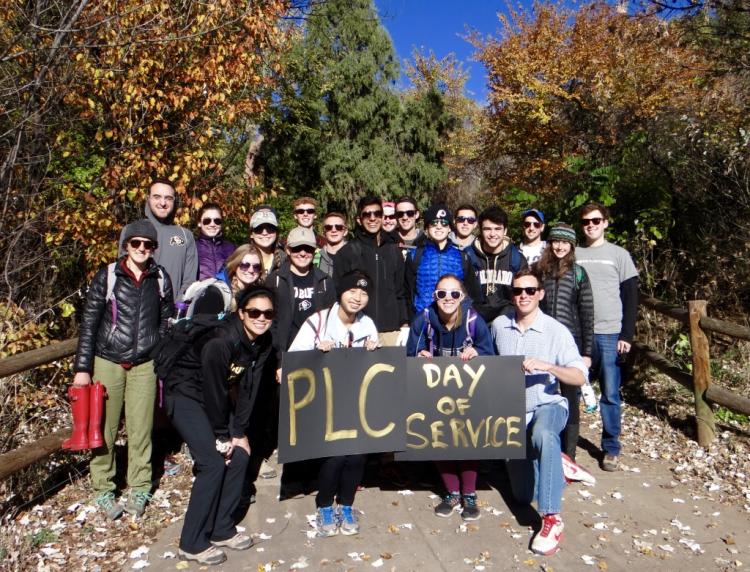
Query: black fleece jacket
(222, 371)
(380, 257)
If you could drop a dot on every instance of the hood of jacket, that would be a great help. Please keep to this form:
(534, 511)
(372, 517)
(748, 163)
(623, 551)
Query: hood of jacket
(505, 251)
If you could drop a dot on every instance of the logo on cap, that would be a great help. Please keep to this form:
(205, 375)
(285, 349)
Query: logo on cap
(441, 213)
(362, 283)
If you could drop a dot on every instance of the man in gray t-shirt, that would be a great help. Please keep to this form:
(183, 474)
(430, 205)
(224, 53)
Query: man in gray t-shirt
(614, 281)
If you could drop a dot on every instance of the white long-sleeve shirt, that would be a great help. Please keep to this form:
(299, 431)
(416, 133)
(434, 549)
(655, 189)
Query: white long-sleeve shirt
(326, 326)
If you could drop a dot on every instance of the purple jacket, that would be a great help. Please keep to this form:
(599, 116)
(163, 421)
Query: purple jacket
(212, 253)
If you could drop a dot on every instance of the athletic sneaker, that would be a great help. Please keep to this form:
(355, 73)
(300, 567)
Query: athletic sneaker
(610, 463)
(574, 472)
(470, 510)
(348, 524)
(210, 556)
(326, 521)
(238, 542)
(547, 541)
(137, 501)
(450, 504)
(106, 501)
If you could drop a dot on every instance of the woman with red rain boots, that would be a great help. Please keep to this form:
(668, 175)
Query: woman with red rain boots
(128, 306)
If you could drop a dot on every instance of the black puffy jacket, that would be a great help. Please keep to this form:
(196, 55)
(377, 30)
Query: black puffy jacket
(126, 333)
(570, 301)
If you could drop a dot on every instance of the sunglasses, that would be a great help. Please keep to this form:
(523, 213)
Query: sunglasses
(408, 214)
(330, 227)
(254, 266)
(469, 219)
(530, 290)
(304, 211)
(389, 217)
(530, 223)
(302, 248)
(265, 228)
(147, 244)
(439, 222)
(442, 294)
(372, 214)
(256, 313)
(217, 221)
(588, 221)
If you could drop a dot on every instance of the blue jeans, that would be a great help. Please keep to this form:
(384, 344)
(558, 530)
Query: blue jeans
(605, 368)
(540, 475)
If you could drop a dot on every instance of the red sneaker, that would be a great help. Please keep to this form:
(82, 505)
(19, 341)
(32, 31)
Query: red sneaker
(547, 541)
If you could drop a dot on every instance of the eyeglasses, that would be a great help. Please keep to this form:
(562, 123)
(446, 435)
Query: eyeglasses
(304, 211)
(372, 214)
(594, 220)
(255, 313)
(217, 221)
(439, 222)
(389, 217)
(469, 219)
(265, 228)
(330, 227)
(530, 290)
(147, 244)
(442, 294)
(408, 214)
(530, 223)
(302, 248)
(254, 266)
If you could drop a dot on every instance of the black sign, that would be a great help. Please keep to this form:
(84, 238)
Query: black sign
(342, 402)
(462, 410)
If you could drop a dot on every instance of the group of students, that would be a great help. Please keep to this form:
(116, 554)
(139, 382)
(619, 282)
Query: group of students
(441, 292)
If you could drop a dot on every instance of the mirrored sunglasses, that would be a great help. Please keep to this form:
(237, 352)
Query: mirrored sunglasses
(439, 222)
(469, 219)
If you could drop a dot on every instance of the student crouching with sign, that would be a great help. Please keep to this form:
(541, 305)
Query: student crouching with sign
(450, 327)
(344, 325)
(551, 357)
(226, 362)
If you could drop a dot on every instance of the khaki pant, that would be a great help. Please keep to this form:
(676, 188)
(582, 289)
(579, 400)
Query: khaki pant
(135, 388)
(388, 339)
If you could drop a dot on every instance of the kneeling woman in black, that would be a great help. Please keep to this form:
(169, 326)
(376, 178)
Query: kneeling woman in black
(210, 394)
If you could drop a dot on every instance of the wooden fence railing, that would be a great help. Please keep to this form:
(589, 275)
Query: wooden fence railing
(699, 380)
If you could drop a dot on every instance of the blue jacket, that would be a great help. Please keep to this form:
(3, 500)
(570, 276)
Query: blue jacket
(449, 343)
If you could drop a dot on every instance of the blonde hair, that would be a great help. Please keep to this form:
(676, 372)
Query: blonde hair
(233, 262)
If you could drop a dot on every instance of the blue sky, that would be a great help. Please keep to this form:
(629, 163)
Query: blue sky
(439, 25)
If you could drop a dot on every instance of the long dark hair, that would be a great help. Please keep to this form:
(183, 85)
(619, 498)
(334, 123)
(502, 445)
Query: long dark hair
(553, 267)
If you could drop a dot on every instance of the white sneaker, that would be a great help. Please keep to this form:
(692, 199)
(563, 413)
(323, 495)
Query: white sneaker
(211, 556)
(547, 540)
(573, 472)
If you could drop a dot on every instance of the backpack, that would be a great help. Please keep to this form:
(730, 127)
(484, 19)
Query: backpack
(196, 292)
(112, 278)
(179, 339)
(471, 328)
(515, 259)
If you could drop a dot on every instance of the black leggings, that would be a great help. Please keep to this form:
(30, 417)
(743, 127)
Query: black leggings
(217, 486)
(339, 478)
(569, 435)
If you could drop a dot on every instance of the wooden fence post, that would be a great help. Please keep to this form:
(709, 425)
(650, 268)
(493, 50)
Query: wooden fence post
(704, 415)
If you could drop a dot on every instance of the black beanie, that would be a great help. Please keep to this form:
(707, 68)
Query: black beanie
(438, 211)
(354, 279)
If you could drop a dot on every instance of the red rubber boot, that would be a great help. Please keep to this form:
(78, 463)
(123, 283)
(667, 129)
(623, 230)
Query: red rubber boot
(96, 414)
(79, 406)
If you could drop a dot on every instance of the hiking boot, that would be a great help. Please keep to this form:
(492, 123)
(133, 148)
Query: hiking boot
(106, 502)
(267, 471)
(470, 510)
(137, 501)
(238, 542)
(547, 541)
(573, 472)
(326, 521)
(210, 556)
(348, 523)
(450, 504)
(610, 463)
